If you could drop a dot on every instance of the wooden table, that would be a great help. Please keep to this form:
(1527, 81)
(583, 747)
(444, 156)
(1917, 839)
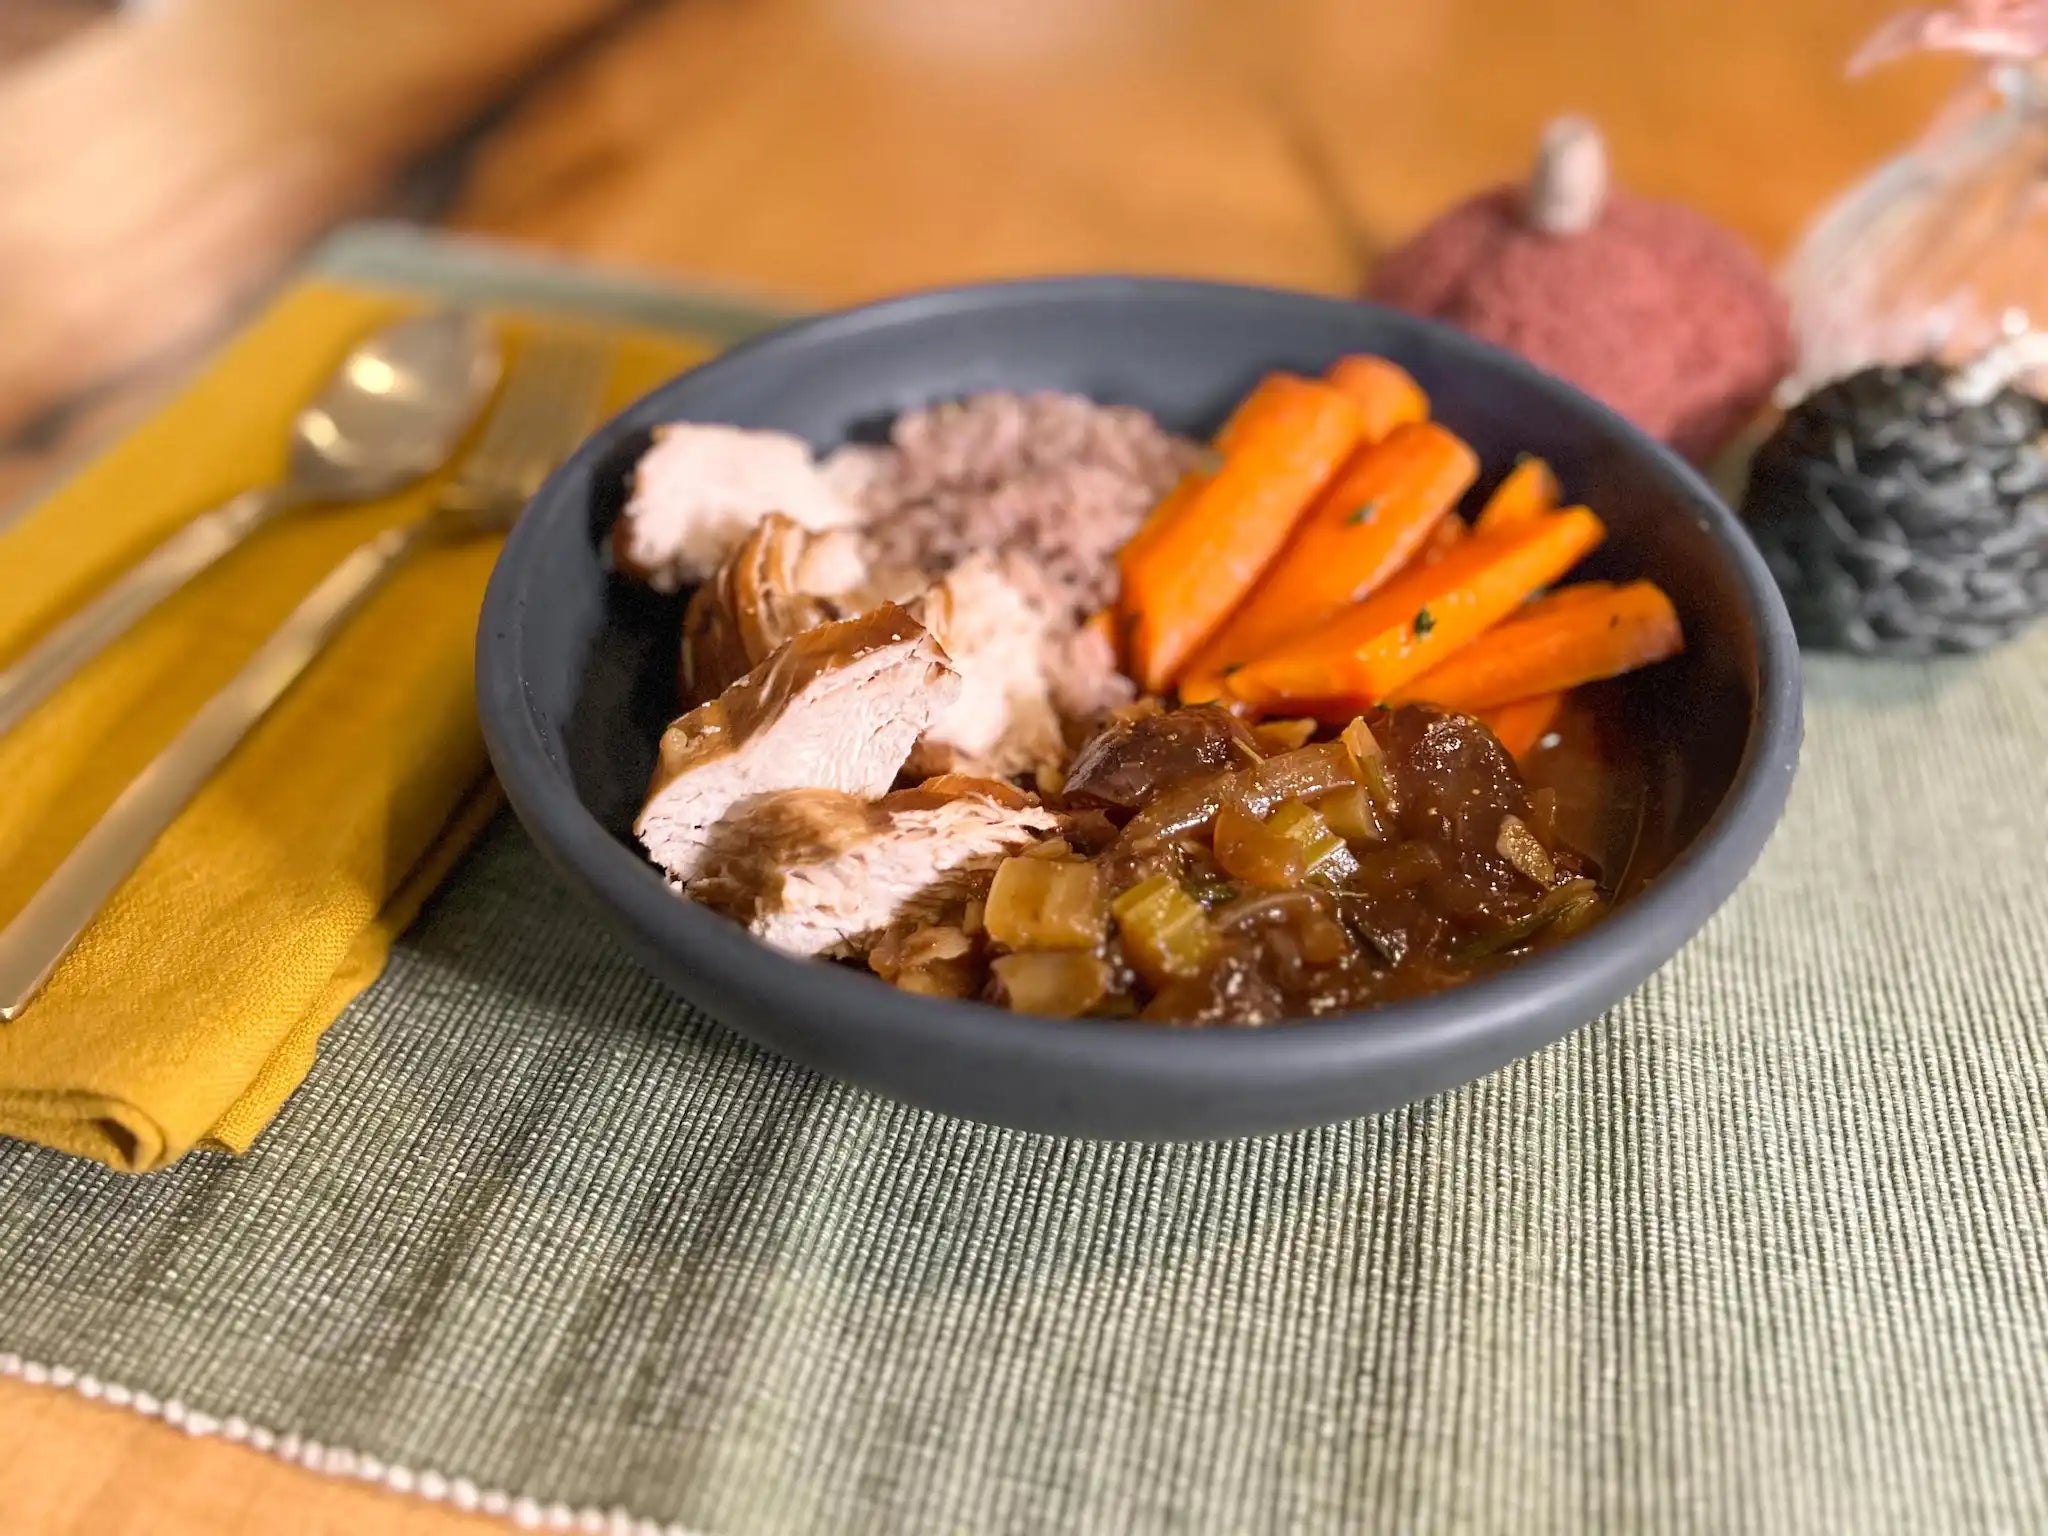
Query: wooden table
(829, 149)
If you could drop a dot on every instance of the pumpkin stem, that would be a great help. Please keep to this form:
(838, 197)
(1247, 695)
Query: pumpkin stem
(1568, 184)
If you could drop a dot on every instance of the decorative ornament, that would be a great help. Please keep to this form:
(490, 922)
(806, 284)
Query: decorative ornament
(1904, 509)
(1646, 305)
(1942, 251)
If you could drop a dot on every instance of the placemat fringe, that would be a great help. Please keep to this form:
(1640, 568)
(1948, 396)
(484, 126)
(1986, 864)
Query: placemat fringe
(338, 1461)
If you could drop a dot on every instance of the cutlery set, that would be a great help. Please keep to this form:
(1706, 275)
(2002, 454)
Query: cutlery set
(394, 412)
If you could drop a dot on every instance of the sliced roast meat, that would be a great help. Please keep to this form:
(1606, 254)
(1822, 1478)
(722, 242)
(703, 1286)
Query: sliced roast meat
(1004, 721)
(700, 489)
(836, 707)
(1081, 671)
(821, 872)
(1142, 751)
(782, 580)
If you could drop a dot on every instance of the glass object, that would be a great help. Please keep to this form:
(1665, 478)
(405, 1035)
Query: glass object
(1943, 251)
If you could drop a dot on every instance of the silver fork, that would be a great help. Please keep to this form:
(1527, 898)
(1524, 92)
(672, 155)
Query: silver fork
(548, 404)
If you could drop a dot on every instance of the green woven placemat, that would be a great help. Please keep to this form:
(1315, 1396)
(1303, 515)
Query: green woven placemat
(1766, 1248)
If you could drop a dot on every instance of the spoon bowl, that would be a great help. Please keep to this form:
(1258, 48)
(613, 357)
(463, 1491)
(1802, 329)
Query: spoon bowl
(393, 411)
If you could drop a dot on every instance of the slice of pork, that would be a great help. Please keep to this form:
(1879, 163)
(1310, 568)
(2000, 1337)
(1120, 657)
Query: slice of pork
(700, 489)
(836, 707)
(782, 580)
(1082, 674)
(820, 872)
(1004, 721)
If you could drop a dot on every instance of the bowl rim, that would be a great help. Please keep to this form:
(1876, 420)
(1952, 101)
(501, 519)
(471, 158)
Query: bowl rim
(1587, 974)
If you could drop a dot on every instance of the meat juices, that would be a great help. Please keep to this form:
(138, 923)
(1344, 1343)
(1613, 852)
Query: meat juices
(837, 707)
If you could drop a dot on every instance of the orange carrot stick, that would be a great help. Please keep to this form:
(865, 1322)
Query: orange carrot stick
(1529, 491)
(1162, 514)
(1368, 652)
(1384, 390)
(1557, 599)
(1521, 726)
(1555, 643)
(1187, 569)
(1446, 536)
(1366, 525)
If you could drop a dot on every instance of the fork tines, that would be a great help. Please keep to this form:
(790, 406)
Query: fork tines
(551, 397)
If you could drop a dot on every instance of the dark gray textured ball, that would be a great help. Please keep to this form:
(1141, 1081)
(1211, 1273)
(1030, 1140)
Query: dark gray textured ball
(1903, 520)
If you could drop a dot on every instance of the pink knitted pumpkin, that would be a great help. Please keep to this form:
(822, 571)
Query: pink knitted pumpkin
(1645, 305)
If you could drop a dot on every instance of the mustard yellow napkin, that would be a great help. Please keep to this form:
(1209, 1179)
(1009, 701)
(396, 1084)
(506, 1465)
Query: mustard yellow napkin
(192, 1007)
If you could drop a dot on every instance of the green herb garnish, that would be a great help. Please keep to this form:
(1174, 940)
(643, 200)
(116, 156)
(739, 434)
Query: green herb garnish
(1363, 515)
(1425, 621)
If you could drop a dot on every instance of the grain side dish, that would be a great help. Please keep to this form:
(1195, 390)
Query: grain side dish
(1041, 704)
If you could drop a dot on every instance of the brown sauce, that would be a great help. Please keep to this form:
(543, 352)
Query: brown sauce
(1204, 880)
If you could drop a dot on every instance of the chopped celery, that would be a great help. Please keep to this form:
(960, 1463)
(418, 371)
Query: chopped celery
(1165, 932)
(1302, 825)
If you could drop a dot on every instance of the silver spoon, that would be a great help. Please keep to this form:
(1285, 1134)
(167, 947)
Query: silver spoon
(549, 402)
(391, 414)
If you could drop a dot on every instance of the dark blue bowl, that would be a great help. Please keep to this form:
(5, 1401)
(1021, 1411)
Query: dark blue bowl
(576, 678)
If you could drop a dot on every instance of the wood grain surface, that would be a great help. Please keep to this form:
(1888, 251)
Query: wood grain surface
(827, 149)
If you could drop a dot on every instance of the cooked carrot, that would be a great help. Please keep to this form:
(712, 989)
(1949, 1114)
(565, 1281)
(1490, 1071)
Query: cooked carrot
(1557, 642)
(1529, 491)
(1557, 599)
(1384, 391)
(1446, 536)
(1194, 563)
(1367, 523)
(1521, 726)
(1162, 514)
(1368, 652)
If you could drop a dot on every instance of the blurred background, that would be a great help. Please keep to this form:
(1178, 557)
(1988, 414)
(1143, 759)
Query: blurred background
(163, 164)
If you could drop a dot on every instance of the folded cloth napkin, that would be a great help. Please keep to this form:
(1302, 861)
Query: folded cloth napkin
(192, 1007)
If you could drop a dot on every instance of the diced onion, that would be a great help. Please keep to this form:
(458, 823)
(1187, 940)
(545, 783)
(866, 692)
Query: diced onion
(1063, 985)
(1519, 846)
(1038, 903)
